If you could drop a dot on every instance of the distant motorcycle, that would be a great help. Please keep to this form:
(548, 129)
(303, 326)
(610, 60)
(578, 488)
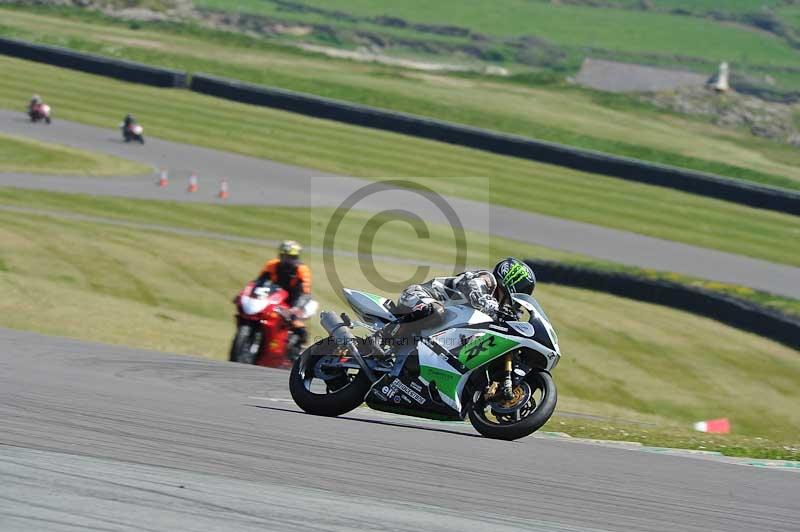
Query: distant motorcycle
(132, 132)
(264, 334)
(39, 112)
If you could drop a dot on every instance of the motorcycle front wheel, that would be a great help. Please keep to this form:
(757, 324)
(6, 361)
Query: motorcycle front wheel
(533, 403)
(321, 388)
(246, 345)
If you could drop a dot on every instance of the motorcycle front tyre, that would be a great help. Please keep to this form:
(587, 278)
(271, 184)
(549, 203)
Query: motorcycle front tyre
(241, 347)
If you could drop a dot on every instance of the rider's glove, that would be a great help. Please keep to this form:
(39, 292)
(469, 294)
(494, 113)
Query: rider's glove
(488, 305)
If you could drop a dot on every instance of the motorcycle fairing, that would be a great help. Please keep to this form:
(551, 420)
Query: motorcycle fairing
(443, 371)
(544, 333)
(370, 307)
(260, 296)
(461, 351)
(376, 309)
(459, 316)
(408, 395)
(253, 305)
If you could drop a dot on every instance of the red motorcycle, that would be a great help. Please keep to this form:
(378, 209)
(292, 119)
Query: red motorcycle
(264, 332)
(39, 111)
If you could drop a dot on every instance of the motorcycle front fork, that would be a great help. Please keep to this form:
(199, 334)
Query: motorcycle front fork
(508, 385)
(491, 390)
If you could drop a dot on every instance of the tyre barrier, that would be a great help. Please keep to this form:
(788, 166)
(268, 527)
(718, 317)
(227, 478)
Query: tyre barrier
(726, 309)
(704, 184)
(93, 64)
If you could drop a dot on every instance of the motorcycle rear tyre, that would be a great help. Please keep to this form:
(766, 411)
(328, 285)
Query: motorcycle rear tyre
(330, 404)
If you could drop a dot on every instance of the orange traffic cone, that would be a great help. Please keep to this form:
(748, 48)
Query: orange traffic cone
(192, 183)
(223, 189)
(714, 426)
(163, 180)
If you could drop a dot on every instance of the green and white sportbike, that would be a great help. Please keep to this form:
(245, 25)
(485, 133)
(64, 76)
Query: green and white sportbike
(496, 372)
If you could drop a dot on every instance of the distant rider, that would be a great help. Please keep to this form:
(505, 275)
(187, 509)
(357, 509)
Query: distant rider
(34, 104)
(128, 122)
(422, 306)
(288, 272)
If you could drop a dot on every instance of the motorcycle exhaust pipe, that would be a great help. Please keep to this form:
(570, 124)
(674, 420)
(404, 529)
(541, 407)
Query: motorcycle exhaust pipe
(341, 334)
(335, 326)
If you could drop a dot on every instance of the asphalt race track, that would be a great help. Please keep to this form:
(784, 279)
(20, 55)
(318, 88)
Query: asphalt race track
(96, 437)
(257, 181)
(103, 438)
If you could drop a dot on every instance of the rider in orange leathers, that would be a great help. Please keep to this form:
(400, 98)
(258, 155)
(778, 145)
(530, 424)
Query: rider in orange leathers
(288, 272)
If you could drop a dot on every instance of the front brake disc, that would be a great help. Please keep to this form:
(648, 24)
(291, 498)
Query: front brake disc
(522, 396)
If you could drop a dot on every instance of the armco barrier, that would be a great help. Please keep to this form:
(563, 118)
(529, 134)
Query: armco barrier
(725, 309)
(103, 66)
(700, 183)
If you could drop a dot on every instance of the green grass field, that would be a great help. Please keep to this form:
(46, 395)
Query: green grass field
(791, 15)
(730, 6)
(29, 156)
(567, 25)
(783, 11)
(329, 146)
(172, 292)
(300, 224)
(551, 111)
(757, 38)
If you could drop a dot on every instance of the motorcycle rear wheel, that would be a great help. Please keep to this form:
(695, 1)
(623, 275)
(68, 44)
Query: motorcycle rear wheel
(343, 389)
(526, 419)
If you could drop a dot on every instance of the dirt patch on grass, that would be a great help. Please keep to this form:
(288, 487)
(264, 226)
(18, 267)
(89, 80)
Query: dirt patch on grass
(127, 41)
(377, 57)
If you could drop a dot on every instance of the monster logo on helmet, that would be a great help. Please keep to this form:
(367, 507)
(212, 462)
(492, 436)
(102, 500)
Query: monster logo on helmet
(515, 276)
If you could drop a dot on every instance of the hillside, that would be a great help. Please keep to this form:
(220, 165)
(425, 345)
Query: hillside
(532, 104)
(758, 38)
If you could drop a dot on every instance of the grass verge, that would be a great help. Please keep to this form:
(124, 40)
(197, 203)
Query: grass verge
(551, 111)
(678, 436)
(302, 225)
(20, 155)
(622, 359)
(337, 148)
